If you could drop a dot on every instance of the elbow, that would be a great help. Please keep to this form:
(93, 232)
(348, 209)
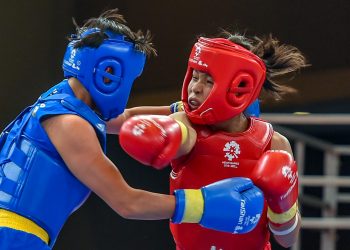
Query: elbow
(126, 114)
(126, 203)
(131, 206)
(128, 211)
(125, 214)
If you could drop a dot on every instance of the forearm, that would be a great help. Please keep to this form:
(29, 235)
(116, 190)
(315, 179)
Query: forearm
(193, 206)
(276, 173)
(114, 125)
(287, 234)
(125, 200)
(146, 205)
(149, 110)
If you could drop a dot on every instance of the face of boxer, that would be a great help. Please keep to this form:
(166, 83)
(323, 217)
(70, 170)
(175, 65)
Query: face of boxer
(199, 88)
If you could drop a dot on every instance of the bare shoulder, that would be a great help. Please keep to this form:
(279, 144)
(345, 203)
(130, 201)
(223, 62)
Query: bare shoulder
(73, 137)
(67, 125)
(280, 142)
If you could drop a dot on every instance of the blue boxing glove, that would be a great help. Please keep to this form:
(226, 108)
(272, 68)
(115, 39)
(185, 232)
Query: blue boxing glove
(176, 107)
(231, 205)
(253, 109)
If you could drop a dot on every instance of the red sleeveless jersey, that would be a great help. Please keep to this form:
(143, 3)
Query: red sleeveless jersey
(217, 156)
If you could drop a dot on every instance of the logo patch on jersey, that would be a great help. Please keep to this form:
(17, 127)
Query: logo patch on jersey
(173, 174)
(232, 151)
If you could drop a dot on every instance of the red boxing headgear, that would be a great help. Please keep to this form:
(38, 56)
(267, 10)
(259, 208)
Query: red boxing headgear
(238, 76)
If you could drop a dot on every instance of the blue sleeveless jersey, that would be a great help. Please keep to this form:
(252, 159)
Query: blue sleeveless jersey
(34, 180)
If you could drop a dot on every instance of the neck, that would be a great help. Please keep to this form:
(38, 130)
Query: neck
(237, 124)
(80, 91)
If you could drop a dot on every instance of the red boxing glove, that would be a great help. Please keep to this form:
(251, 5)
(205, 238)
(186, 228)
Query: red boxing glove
(276, 174)
(151, 139)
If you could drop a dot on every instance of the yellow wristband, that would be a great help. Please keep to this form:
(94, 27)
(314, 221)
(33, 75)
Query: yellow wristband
(180, 106)
(184, 132)
(176, 107)
(194, 206)
(283, 217)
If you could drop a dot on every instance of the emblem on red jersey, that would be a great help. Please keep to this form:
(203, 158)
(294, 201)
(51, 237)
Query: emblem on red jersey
(232, 151)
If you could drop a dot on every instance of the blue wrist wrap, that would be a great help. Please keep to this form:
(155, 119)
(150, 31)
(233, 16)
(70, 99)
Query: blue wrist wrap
(179, 206)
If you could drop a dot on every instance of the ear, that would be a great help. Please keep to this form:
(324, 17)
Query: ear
(107, 75)
(240, 91)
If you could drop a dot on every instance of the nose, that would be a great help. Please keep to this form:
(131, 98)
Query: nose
(197, 87)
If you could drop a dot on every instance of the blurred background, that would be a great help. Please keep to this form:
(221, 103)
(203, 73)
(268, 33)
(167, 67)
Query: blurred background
(33, 40)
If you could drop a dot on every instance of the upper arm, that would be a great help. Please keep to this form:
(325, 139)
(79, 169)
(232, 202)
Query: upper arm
(77, 143)
(280, 142)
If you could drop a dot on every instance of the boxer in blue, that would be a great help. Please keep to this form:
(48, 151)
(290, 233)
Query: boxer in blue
(52, 155)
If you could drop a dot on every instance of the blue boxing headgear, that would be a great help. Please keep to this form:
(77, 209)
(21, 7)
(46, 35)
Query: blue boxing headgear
(107, 72)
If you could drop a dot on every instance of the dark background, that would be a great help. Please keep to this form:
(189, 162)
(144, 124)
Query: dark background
(33, 42)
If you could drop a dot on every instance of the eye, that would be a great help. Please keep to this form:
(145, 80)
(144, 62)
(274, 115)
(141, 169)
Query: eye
(195, 75)
(210, 80)
(195, 78)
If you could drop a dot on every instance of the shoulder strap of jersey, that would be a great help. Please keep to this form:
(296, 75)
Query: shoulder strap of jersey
(83, 110)
(262, 131)
(24, 115)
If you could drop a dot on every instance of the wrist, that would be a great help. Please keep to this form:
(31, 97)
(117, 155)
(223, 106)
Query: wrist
(189, 206)
(176, 107)
(184, 132)
(280, 218)
(284, 229)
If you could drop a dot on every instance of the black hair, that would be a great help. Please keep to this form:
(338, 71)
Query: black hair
(112, 20)
(280, 59)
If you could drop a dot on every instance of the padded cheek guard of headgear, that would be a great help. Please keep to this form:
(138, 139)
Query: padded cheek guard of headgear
(107, 72)
(238, 76)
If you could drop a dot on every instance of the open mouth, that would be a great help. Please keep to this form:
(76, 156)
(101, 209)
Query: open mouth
(193, 103)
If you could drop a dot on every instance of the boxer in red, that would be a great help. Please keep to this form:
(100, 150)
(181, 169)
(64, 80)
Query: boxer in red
(213, 139)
